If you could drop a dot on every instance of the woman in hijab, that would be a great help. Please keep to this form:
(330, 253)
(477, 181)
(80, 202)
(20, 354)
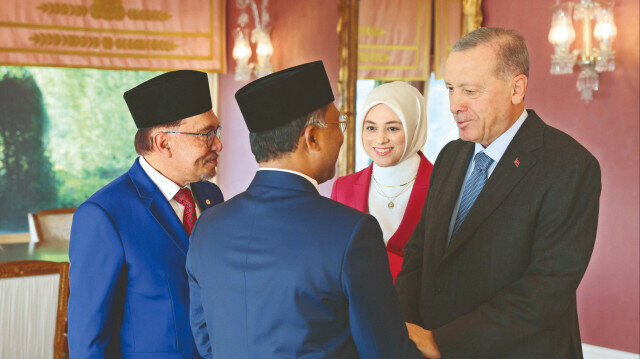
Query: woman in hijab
(394, 187)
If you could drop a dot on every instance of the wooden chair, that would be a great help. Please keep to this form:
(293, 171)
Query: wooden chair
(33, 309)
(51, 226)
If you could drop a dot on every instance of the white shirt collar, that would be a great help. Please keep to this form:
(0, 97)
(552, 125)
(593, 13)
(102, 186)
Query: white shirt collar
(497, 148)
(313, 182)
(166, 186)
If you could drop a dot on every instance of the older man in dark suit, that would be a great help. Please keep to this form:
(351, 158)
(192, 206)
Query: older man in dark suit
(510, 220)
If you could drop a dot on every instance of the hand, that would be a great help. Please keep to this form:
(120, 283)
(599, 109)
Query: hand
(424, 340)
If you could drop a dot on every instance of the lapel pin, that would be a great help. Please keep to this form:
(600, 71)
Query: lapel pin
(516, 162)
(207, 202)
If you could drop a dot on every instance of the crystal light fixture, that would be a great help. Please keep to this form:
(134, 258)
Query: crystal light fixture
(259, 35)
(591, 60)
(241, 48)
(264, 50)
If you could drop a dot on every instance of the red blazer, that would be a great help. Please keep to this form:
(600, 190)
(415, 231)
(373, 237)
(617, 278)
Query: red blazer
(353, 190)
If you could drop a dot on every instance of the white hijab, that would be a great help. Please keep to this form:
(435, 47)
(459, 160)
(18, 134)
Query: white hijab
(408, 104)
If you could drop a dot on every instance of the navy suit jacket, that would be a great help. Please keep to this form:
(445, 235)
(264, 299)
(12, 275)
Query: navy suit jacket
(129, 295)
(282, 272)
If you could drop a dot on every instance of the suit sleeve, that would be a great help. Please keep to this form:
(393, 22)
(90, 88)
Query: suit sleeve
(196, 310)
(96, 284)
(563, 241)
(409, 280)
(376, 324)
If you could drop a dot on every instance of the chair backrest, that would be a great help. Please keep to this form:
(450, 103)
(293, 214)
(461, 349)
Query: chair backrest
(33, 309)
(52, 225)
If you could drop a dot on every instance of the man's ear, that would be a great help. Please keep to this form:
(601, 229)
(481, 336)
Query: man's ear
(519, 89)
(161, 144)
(310, 138)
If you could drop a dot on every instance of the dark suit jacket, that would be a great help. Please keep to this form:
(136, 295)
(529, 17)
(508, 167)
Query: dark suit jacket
(129, 293)
(281, 272)
(505, 287)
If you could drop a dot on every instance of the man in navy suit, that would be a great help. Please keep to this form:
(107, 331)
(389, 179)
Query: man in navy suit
(280, 271)
(129, 291)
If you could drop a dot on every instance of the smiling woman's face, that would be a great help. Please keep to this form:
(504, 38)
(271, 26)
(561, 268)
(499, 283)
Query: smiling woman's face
(383, 136)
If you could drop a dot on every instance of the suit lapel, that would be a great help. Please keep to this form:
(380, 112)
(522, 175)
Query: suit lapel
(513, 166)
(204, 197)
(361, 190)
(447, 194)
(414, 208)
(159, 207)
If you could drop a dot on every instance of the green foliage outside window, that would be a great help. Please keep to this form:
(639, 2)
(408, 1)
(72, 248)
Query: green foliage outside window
(64, 134)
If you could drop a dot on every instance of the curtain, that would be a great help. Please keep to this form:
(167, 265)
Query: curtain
(409, 41)
(155, 35)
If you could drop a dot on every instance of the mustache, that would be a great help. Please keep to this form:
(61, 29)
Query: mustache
(213, 157)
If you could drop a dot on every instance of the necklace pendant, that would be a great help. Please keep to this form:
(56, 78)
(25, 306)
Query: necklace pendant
(390, 205)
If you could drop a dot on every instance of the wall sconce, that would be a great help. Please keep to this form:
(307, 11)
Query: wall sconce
(592, 60)
(259, 35)
(242, 54)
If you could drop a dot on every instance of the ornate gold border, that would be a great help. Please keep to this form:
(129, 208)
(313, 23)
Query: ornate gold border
(472, 15)
(428, 13)
(415, 47)
(222, 59)
(33, 268)
(103, 30)
(347, 76)
(472, 18)
(105, 54)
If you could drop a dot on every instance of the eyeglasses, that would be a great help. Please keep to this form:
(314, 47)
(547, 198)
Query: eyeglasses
(342, 123)
(216, 132)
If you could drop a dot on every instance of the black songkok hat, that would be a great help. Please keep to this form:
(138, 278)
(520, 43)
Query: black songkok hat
(277, 99)
(169, 97)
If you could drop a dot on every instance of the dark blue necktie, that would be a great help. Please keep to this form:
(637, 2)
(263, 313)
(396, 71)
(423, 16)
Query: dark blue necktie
(472, 188)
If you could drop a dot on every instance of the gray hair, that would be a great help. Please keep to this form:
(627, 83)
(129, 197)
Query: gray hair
(275, 143)
(510, 48)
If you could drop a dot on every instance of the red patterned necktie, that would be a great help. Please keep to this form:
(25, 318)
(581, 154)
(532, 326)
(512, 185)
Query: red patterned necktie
(185, 198)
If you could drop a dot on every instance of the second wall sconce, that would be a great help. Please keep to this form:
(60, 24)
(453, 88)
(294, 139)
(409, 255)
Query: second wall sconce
(591, 59)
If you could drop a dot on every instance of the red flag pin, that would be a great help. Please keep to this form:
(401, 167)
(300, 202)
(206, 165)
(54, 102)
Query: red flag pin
(516, 162)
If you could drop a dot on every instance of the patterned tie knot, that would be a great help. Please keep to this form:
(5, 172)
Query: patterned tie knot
(184, 197)
(483, 161)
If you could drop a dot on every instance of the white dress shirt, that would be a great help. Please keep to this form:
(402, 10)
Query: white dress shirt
(168, 188)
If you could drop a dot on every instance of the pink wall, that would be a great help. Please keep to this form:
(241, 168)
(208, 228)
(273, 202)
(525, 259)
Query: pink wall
(302, 31)
(609, 128)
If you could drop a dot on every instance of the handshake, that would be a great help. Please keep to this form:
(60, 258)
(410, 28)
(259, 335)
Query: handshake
(424, 340)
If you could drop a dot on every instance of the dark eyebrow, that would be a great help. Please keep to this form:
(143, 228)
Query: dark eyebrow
(206, 129)
(386, 123)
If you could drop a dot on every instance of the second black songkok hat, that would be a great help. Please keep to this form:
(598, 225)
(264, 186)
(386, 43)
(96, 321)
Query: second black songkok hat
(277, 99)
(169, 97)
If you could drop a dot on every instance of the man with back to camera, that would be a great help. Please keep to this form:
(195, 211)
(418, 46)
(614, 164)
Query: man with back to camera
(129, 291)
(280, 271)
(509, 223)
